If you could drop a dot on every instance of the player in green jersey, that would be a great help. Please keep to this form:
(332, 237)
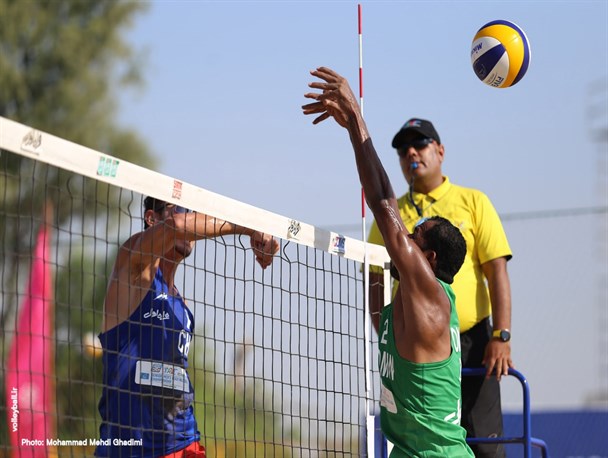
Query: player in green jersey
(419, 338)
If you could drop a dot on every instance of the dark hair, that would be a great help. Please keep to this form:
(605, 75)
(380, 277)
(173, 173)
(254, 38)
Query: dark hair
(447, 242)
(150, 203)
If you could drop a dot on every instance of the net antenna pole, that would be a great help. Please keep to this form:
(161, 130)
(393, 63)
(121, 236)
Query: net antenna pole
(370, 420)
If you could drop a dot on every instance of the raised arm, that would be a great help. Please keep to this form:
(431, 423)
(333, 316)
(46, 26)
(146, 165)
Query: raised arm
(164, 233)
(425, 304)
(338, 101)
(169, 238)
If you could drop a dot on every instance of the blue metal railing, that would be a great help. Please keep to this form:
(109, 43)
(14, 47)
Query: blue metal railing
(526, 439)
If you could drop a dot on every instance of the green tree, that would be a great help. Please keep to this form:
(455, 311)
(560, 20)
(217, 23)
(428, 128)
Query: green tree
(61, 63)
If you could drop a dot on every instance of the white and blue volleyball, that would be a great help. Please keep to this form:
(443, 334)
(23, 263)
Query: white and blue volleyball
(500, 54)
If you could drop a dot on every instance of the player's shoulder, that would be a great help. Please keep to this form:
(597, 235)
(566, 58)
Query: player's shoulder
(133, 240)
(132, 243)
(130, 253)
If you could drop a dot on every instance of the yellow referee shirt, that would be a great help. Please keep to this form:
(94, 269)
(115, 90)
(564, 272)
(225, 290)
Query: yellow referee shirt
(472, 212)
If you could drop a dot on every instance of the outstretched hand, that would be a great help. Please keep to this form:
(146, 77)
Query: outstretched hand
(336, 100)
(265, 247)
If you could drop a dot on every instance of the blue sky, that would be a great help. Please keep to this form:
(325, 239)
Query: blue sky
(221, 109)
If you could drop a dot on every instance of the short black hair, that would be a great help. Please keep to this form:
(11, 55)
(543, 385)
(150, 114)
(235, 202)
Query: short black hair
(150, 203)
(447, 242)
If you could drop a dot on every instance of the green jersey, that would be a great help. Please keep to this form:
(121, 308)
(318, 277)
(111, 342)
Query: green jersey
(420, 402)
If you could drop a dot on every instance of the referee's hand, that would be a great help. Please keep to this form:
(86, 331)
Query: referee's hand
(497, 358)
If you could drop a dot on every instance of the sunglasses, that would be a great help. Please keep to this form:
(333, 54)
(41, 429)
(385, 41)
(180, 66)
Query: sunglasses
(416, 143)
(175, 208)
(421, 221)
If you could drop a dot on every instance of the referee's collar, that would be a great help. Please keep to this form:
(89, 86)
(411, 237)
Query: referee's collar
(440, 190)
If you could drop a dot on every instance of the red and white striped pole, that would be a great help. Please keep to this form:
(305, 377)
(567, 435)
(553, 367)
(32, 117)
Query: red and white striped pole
(370, 420)
(360, 62)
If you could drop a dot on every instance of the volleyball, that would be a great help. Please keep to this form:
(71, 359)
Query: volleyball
(500, 54)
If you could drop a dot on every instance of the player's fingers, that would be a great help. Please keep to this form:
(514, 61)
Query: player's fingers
(314, 95)
(275, 246)
(323, 86)
(329, 75)
(324, 72)
(262, 261)
(327, 94)
(321, 118)
(314, 111)
(312, 106)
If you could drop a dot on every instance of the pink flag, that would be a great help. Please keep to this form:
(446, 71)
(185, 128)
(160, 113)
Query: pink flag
(30, 387)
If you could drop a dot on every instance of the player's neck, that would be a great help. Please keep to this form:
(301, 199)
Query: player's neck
(168, 269)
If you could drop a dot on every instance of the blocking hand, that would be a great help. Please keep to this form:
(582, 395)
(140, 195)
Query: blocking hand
(265, 247)
(336, 100)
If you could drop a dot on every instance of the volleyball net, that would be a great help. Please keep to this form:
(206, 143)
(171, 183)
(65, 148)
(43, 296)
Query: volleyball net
(279, 358)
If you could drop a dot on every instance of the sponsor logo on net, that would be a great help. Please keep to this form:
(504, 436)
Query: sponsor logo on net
(80, 442)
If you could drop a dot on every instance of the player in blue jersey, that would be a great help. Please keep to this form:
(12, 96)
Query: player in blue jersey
(146, 404)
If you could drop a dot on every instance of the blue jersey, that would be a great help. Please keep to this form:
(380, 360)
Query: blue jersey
(146, 404)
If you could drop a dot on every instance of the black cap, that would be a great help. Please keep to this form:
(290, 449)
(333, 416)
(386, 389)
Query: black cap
(420, 126)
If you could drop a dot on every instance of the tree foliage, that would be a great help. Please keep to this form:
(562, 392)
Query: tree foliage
(61, 64)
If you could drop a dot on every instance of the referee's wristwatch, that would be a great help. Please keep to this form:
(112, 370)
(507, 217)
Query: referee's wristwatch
(504, 335)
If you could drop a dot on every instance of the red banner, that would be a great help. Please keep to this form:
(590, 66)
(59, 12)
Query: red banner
(30, 387)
